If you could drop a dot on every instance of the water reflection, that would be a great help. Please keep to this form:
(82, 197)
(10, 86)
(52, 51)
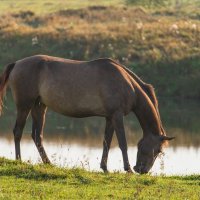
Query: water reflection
(78, 142)
(179, 161)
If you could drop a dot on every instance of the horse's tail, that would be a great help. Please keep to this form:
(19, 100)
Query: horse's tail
(3, 82)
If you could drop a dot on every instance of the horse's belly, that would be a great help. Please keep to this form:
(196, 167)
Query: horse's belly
(74, 105)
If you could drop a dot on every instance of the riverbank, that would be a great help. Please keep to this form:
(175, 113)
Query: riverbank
(161, 45)
(25, 181)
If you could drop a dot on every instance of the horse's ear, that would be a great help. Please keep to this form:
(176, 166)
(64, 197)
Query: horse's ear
(166, 138)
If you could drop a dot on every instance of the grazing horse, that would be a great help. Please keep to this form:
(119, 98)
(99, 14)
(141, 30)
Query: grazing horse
(79, 89)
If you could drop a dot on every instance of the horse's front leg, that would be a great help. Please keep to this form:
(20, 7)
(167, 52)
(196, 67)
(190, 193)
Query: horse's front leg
(109, 130)
(117, 121)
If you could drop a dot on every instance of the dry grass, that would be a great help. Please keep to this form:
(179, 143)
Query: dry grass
(143, 35)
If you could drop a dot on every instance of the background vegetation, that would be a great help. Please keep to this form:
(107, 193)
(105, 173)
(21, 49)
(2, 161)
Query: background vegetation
(161, 44)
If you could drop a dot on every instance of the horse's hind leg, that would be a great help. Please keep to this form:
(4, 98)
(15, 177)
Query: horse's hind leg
(38, 115)
(22, 115)
(109, 130)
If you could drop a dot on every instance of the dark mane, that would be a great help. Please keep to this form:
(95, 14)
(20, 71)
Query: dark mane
(148, 88)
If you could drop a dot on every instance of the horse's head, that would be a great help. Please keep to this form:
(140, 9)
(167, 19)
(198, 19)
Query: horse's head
(149, 148)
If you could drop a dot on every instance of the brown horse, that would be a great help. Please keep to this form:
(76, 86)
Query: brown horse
(100, 87)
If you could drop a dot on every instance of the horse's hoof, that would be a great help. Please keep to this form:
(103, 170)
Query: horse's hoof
(104, 168)
(47, 162)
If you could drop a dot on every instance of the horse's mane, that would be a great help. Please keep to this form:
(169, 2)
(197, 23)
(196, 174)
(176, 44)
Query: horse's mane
(148, 88)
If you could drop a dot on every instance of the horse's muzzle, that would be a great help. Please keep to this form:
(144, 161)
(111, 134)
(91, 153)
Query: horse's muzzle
(140, 170)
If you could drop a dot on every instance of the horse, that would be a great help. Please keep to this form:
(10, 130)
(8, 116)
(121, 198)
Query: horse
(100, 87)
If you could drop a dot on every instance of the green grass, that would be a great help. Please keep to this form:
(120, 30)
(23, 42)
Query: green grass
(25, 181)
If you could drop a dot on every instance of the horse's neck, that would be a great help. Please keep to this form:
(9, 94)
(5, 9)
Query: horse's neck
(147, 115)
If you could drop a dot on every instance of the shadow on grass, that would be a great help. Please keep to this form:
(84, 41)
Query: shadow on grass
(24, 170)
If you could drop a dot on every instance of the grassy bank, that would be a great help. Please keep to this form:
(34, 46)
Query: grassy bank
(161, 45)
(25, 181)
(47, 6)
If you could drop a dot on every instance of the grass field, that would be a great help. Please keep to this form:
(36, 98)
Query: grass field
(26, 181)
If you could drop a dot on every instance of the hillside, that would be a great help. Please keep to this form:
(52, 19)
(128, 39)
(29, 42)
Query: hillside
(160, 45)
